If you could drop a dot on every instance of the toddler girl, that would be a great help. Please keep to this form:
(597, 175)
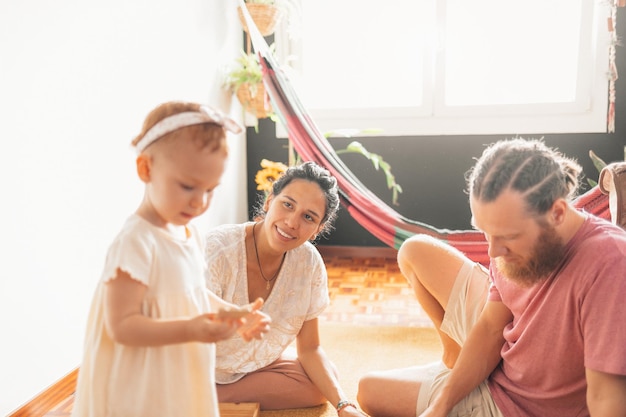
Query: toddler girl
(151, 333)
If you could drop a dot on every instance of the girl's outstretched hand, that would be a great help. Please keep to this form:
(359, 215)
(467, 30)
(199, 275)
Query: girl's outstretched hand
(250, 321)
(256, 323)
(208, 328)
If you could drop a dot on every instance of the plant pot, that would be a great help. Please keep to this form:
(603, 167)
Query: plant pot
(265, 16)
(254, 99)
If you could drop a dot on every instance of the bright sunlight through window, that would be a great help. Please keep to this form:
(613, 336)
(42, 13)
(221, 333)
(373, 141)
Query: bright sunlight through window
(431, 67)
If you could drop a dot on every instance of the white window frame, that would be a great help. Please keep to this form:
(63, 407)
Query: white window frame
(585, 115)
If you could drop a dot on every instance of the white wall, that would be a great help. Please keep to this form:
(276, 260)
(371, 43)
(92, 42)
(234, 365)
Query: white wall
(77, 78)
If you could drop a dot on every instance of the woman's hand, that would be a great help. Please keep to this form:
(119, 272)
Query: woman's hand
(350, 411)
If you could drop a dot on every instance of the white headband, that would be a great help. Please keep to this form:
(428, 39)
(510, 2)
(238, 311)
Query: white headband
(177, 121)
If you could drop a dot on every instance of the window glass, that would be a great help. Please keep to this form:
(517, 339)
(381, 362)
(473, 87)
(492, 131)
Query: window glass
(420, 67)
(359, 53)
(511, 52)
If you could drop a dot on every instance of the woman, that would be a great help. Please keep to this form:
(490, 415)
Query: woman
(273, 258)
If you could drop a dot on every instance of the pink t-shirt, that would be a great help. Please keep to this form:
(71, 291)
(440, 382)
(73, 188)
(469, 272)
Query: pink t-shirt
(574, 320)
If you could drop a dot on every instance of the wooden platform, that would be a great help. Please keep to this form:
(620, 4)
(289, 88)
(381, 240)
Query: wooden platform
(239, 409)
(58, 399)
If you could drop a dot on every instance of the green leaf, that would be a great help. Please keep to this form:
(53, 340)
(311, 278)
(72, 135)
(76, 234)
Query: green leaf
(378, 163)
(597, 162)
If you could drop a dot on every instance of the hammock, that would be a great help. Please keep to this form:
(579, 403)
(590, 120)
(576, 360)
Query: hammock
(364, 206)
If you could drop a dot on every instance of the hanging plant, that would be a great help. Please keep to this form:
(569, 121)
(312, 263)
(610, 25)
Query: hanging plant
(267, 14)
(245, 80)
(264, 13)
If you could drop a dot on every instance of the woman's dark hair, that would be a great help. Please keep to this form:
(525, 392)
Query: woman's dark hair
(309, 171)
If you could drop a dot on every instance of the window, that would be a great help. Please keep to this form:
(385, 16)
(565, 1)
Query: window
(438, 67)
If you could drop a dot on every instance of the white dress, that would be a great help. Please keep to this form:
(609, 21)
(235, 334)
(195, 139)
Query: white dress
(115, 380)
(300, 293)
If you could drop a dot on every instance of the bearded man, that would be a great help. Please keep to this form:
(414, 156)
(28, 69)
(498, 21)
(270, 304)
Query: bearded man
(542, 332)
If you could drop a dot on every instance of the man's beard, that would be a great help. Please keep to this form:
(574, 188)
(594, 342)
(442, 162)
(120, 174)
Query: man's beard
(546, 256)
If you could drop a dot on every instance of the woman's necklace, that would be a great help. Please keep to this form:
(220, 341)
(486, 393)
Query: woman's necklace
(258, 261)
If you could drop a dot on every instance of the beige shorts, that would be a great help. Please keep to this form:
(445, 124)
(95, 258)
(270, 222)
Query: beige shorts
(467, 300)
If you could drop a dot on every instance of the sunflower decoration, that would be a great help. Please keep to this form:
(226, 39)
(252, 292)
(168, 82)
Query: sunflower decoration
(269, 173)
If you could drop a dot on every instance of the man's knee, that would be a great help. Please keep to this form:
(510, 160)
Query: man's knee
(414, 245)
(419, 248)
(422, 255)
(414, 253)
(390, 393)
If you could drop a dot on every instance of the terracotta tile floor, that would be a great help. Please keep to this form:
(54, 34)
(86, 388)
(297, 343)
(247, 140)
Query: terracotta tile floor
(371, 291)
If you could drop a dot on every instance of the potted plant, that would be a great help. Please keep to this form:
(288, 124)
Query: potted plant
(245, 80)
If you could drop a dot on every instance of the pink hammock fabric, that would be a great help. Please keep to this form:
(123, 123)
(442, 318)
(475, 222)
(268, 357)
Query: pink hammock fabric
(364, 206)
